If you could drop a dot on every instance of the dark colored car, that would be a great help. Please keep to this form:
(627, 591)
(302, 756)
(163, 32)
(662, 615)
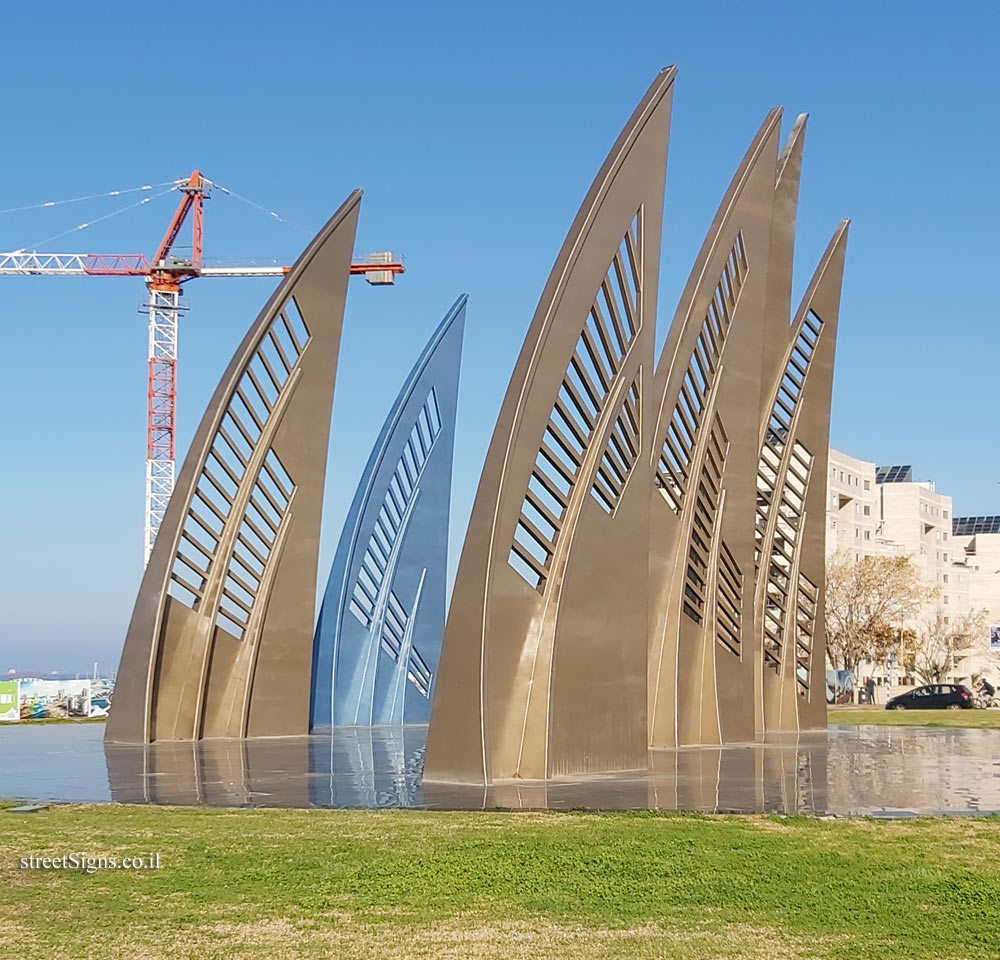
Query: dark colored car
(933, 696)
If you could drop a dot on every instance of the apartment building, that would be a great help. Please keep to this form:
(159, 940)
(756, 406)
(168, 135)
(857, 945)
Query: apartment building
(977, 541)
(879, 511)
(916, 521)
(851, 507)
(882, 511)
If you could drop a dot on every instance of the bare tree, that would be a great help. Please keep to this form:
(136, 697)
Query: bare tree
(865, 600)
(936, 642)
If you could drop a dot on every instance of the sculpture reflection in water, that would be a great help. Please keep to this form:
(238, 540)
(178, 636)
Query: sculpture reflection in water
(380, 767)
(367, 767)
(223, 773)
(362, 767)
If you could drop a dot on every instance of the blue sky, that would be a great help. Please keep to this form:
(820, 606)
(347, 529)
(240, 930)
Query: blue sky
(475, 131)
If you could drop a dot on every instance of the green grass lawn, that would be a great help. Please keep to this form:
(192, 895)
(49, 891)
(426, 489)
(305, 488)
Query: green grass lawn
(348, 885)
(981, 719)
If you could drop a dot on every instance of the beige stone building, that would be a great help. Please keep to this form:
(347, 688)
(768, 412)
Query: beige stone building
(977, 541)
(915, 521)
(851, 507)
(877, 511)
(883, 511)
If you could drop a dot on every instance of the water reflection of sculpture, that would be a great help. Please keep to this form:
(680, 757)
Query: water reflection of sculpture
(380, 767)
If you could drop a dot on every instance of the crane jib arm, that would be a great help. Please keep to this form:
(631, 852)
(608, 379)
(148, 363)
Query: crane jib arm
(32, 263)
(380, 269)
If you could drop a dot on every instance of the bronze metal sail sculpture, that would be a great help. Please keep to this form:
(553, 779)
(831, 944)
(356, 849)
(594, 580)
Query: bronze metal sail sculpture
(644, 563)
(705, 564)
(220, 642)
(703, 464)
(791, 508)
(540, 674)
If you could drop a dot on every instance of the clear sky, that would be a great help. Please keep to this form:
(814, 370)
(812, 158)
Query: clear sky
(475, 131)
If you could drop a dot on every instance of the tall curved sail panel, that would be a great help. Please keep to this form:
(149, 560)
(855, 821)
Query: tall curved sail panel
(543, 666)
(791, 508)
(777, 319)
(703, 463)
(778, 300)
(220, 642)
(378, 639)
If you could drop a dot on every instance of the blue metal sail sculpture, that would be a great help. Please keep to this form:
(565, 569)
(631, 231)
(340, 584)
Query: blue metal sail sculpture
(378, 638)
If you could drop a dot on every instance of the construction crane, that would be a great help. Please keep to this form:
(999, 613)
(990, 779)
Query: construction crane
(164, 274)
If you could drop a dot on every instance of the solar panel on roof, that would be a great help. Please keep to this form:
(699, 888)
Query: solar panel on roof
(894, 474)
(969, 526)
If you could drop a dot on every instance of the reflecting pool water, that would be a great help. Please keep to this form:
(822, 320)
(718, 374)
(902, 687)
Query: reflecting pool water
(882, 771)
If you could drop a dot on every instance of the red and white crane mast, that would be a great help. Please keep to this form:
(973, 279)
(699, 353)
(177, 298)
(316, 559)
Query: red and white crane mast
(164, 305)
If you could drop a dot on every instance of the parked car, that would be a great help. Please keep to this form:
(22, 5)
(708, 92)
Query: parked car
(934, 696)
